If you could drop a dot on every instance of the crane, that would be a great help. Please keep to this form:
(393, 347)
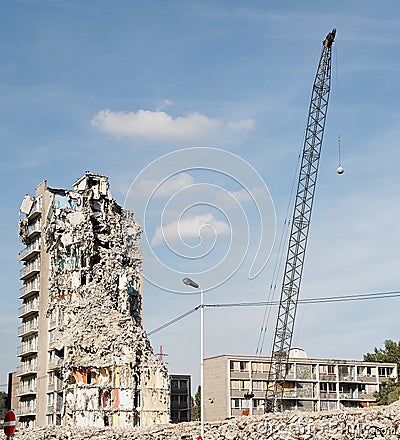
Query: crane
(299, 228)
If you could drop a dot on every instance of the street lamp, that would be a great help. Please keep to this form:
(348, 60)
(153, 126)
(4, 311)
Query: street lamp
(193, 284)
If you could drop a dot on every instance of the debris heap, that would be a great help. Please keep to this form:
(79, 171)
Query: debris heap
(349, 424)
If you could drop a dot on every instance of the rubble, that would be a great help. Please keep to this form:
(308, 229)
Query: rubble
(350, 424)
(98, 350)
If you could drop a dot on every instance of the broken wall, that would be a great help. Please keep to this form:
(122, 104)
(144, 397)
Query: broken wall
(110, 374)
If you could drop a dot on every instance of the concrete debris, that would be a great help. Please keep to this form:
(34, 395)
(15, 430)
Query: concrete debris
(108, 372)
(350, 424)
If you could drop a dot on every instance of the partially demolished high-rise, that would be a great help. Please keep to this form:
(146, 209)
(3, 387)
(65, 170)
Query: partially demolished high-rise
(84, 357)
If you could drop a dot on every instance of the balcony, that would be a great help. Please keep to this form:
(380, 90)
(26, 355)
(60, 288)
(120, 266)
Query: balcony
(370, 379)
(327, 377)
(26, 369)
(24, 390)
(24, 350)
(328, 395)
(36, 209)
(26, 411)
(55, 364)
(290, 394)
(29, 270)
(28, 328)
(28, 308)
(346, 378)
(29, 288)
(57, 385)
(348, 395)
(30, 251)
(33, 229)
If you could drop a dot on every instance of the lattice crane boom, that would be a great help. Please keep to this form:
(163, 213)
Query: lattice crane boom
(300, 227)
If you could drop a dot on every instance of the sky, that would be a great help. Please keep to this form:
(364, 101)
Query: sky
(196, 112)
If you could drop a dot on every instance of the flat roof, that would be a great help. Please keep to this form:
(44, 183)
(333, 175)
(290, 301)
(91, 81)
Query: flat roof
(299, 360)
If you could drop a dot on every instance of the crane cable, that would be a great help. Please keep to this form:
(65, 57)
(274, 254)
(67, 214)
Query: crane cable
(340, 169)
(278, 263)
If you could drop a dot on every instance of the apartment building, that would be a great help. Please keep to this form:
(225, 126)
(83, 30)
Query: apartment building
(180, 398)
(236, 385)
(84, 357)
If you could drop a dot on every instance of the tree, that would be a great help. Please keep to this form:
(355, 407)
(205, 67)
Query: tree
(196, 405)
(3, 404)
(389, 391)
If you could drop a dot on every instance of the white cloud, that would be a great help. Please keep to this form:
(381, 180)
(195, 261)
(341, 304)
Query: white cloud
(244, 125)
(190, 227)
(159, 125)
(164, 104)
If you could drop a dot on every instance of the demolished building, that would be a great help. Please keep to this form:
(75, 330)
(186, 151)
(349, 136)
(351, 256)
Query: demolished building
(85, 359)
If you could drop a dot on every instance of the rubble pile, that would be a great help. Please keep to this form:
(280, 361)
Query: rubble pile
(368, 423)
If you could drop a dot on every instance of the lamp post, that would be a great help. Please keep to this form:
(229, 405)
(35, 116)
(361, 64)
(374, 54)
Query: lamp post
(193, 284)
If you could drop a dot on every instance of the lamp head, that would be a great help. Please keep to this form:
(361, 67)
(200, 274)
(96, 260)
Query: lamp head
(190, 282)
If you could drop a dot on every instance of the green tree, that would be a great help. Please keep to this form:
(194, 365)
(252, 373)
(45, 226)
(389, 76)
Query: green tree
(3, 404)
(390, 391)
(196, 405)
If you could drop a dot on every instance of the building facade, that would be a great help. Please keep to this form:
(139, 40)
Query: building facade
(180, 398)
(84, 357)
(236, 385)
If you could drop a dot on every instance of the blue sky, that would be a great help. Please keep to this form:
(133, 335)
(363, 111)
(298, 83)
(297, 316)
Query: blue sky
(111, 87)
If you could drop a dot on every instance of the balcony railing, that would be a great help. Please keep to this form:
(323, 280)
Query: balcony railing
(27, 308)
(26, 410)
(55, 363)
(27, 328)
(346, 377)
(29, 270)
(36, 209)
(29, 287)
(349, 395)
(26, 389)
(32, 249)
(33, 229)
(27, 349)
(25, 369)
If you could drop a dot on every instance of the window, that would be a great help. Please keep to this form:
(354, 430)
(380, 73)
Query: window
(240, 385)
(385, 371)
(174, 384)
(327, 369)
(239, 366)
(258, 385)
(183, 384)
(258, 403)
(331, 369)
(236, 403)
(183, 399)
(235, 384)
(361, 388)
(327, 387)
(259, 367)
(50, 399)
(234, 366)
(244, 366)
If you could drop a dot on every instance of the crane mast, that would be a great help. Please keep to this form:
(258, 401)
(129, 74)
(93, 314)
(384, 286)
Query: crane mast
(299, 228)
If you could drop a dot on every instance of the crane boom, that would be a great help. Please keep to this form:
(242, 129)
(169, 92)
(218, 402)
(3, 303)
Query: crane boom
(299, 228)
